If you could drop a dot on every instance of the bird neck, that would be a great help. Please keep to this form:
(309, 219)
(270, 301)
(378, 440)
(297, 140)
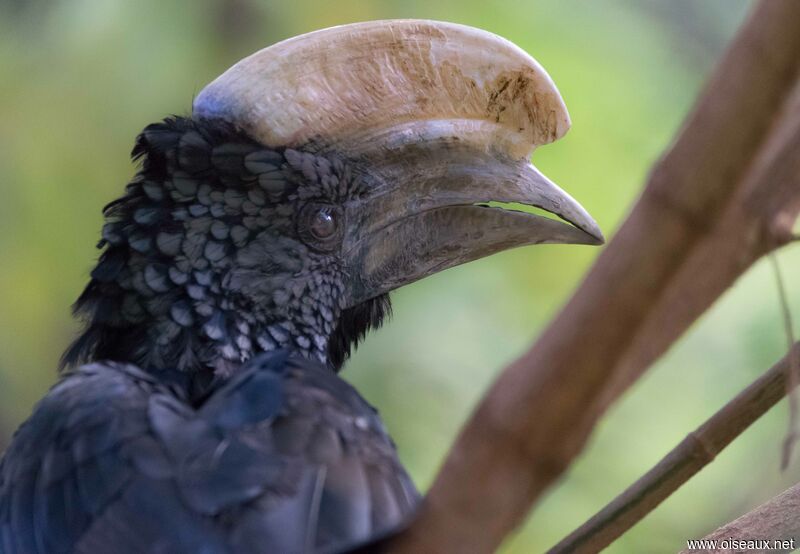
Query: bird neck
(186, 319)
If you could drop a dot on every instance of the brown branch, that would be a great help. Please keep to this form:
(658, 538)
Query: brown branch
(715, 203)
(776, 519)
(696, 451)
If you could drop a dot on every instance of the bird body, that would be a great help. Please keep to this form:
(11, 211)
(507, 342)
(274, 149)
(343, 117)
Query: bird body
(202, 410)
(284, 457)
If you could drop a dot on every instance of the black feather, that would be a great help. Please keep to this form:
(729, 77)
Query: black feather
(353, 325)
(117, 460)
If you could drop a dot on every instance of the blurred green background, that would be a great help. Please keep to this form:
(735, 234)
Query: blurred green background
(79, 79)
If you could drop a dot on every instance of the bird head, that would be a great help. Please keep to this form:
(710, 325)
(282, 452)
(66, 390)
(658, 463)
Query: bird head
(313, 178)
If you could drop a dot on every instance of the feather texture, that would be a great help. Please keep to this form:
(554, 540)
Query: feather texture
(279, 458)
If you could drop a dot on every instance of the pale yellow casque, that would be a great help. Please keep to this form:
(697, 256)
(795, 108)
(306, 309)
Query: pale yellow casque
(364, 85)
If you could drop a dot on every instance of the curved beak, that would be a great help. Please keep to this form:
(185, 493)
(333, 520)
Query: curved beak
(429, 214)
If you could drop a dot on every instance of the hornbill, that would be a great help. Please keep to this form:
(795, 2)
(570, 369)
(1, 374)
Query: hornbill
(256, 245)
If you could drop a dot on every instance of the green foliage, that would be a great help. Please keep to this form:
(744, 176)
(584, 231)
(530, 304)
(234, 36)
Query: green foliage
(79, 79)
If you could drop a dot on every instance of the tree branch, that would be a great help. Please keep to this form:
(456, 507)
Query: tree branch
(696, 451)
(776, 519)
(715, 203)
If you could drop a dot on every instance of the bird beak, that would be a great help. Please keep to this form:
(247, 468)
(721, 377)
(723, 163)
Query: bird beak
(430, 214)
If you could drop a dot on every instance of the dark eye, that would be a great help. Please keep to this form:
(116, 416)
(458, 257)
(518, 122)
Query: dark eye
(324, 222)
(320, 225)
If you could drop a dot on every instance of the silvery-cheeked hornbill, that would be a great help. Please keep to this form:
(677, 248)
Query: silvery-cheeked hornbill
(254, 248)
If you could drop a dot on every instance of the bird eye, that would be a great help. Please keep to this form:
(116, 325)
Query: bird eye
(320, 225)
(324, 223)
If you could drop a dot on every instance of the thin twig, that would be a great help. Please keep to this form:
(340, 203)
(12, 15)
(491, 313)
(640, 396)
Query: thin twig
(696, 451)
(794, 364)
